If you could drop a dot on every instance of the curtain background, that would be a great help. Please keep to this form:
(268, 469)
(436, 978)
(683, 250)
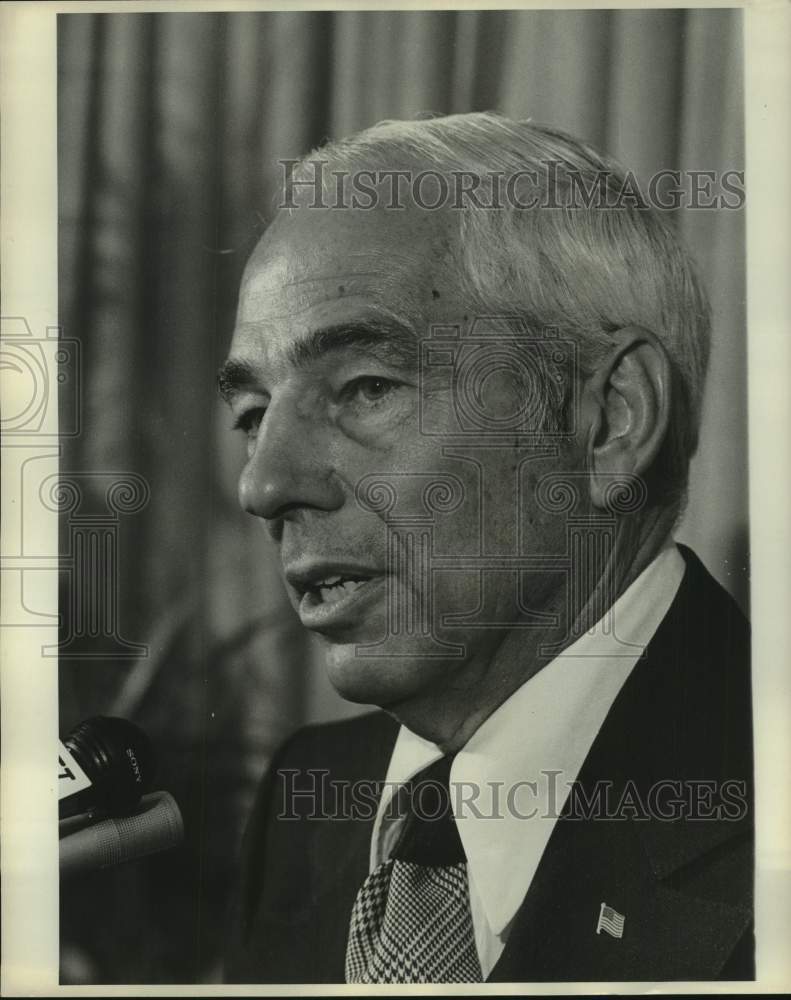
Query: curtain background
(170, 129)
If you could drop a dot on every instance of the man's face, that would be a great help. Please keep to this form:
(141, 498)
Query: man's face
(324, 379)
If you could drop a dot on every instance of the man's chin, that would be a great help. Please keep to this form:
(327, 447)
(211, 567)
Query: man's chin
(374, 680)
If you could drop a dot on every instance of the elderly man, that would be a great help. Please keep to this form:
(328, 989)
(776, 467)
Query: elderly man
(468, 363)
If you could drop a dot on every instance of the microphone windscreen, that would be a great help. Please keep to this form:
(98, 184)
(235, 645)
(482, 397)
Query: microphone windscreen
(155, 826)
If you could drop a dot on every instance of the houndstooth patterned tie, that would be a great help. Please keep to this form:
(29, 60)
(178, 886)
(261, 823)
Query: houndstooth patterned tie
(411, 921)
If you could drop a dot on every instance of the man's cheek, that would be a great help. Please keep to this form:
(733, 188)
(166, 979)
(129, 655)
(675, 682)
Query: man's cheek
(457, 594)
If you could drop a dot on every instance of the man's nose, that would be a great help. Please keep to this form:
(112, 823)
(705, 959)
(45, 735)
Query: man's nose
(290, 468)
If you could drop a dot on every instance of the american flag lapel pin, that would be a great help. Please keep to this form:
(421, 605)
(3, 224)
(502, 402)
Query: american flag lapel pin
(611, 921)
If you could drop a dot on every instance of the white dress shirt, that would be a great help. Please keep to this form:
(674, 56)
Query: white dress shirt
(541, 734)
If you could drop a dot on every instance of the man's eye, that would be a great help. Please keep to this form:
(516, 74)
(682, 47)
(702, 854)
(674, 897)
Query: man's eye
(369, 388)
(250, 420)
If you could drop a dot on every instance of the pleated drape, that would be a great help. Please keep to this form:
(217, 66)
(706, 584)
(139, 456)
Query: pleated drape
(170, 129)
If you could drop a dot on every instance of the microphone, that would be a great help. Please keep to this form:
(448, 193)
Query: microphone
(107, 811)
(156, 825)
(106, 765)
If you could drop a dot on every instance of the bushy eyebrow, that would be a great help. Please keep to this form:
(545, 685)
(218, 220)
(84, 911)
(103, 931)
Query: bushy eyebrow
(233, 377)
(388, 341)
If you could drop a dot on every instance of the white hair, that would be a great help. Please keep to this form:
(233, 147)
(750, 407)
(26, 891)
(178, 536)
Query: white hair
(587, 271)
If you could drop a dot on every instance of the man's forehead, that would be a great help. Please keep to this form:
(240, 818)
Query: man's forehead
(395, 237)
(295, 271)
(314, 257)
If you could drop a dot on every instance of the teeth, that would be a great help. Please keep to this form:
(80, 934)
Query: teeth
(336, 587)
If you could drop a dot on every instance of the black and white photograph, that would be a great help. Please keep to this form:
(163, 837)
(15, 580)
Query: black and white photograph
(395, 435)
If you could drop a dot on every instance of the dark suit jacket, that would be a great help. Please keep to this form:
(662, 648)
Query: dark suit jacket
(685, 886)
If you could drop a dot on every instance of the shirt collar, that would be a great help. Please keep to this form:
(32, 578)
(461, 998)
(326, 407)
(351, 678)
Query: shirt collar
(540, 735)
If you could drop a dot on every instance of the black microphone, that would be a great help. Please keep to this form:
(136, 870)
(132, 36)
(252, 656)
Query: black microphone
(107, 816)
(106, 765)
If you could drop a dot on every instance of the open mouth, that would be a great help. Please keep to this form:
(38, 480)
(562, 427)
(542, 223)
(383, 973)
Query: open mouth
(334, 597)
(335, 588)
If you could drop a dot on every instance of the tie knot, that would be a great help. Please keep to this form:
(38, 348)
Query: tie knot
(429, 835)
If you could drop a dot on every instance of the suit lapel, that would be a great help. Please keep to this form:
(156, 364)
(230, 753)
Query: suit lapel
(336, 852)
(683, 715)
(667, 934)
(302, 874)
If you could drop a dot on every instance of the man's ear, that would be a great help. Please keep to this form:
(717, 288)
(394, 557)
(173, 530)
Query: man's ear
(626, 408)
